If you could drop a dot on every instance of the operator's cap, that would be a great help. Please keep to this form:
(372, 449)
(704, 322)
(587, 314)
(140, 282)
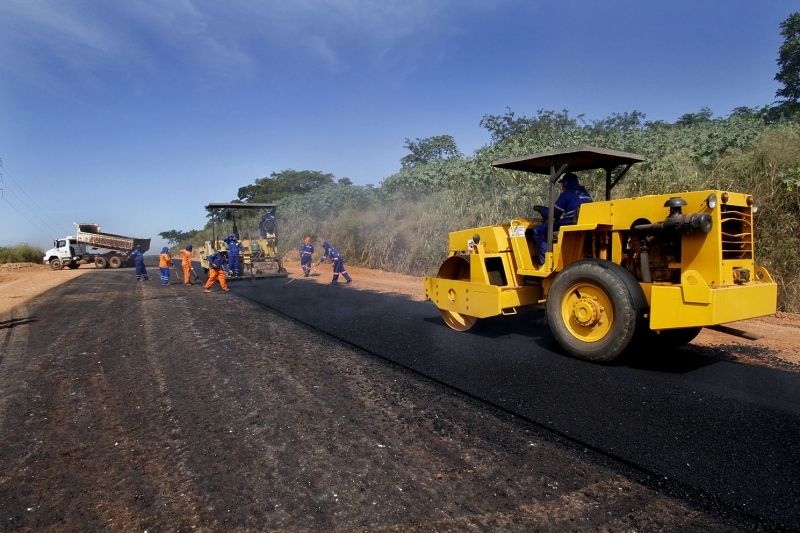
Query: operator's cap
(569, 178)
(325, 244)
(189, 247)
(164, 250)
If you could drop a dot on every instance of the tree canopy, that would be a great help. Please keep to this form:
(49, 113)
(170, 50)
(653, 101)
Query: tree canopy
(174, 237)
(789, 59)
(284, 183)
(429, 149)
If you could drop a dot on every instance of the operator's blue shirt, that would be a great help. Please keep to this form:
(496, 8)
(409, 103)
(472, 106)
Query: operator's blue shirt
(567, 204)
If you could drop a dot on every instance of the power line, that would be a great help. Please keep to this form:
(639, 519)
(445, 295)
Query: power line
(8, 174)
(29, 209)
(23, 216)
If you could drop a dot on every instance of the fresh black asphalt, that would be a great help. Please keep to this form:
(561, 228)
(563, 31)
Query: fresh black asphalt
(723, 430)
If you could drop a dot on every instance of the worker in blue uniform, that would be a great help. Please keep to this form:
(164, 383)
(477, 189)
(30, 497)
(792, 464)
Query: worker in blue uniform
(306, 251)
(233, 254)
(338, 263)
(572, 196)
(138, 260)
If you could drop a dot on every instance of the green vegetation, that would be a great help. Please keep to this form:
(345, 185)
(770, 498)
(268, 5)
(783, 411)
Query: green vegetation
(21, 253)
(402, 225)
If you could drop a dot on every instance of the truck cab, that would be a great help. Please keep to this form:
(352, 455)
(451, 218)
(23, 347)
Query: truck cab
(66, 252)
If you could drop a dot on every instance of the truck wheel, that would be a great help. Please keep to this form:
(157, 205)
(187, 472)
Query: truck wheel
(456, 267)
(594, 309)
(56, 264)
(115, 261)
(101, 262)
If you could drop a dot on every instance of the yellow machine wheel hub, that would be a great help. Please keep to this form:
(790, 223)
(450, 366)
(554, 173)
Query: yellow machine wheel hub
(586, 310)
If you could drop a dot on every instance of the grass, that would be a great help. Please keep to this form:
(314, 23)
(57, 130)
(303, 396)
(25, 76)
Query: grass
(21, 253)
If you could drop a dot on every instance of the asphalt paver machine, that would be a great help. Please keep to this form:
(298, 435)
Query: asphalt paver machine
(255, 227)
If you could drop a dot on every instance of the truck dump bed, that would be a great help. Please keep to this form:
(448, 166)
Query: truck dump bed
(90, 235)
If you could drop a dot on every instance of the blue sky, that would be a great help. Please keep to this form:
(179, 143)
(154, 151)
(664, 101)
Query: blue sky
(135, 114)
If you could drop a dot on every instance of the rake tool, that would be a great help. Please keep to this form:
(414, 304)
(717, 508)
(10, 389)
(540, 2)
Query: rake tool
(177, 274)
(291, 280)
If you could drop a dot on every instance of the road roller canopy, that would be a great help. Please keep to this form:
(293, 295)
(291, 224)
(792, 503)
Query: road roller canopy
(235, 205)
(556, 162)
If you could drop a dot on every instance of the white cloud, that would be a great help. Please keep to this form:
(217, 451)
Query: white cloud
(94, 35)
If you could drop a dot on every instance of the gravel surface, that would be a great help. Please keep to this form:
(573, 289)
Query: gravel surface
(134, 406)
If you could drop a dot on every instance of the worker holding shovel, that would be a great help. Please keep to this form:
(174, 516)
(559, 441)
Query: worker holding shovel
(186, 262)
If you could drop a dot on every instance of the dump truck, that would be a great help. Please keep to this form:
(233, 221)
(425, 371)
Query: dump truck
(646, 272)
(255, 227)
(73, 251)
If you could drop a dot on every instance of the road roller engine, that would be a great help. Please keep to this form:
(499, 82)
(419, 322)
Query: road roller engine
(645, 272)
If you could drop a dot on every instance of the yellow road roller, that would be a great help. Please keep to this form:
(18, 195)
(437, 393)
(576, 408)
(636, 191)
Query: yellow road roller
(648, 271)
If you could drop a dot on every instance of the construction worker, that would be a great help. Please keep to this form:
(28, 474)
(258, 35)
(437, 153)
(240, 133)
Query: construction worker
(338, 263)
(164, 261)
(572, 196)
(186, 262)
(306, 250)
(138, 259)
(233, 254)
(215, 272)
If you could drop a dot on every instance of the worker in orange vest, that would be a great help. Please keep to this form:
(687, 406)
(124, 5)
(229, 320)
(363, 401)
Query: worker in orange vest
(164, 261)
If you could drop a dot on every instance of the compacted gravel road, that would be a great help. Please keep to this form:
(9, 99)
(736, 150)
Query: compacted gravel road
(131, 406)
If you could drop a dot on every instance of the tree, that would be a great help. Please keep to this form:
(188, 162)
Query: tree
(174, 237)
(789, 69)
(545, 123)
(284, 183)
(691, 119)
(344, 181)
(427, 150)
(789, 59)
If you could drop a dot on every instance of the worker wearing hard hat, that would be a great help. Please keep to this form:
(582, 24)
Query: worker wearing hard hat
(306, 251)
(338, 263)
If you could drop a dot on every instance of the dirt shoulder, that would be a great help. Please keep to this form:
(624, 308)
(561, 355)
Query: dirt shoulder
(19, 282)
(777, 347)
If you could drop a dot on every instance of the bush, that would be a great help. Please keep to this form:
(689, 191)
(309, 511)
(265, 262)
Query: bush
(21, 253)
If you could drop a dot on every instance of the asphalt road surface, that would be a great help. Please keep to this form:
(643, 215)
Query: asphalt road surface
(305, 407)
(716, 429)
